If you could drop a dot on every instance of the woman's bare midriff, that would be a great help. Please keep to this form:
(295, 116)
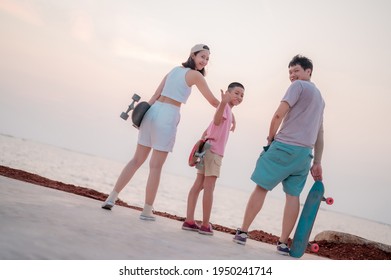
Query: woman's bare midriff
(169, 100)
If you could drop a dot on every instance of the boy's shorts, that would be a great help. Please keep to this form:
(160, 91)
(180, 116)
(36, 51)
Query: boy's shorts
(284, 163)
(212, 164)
(159, 126)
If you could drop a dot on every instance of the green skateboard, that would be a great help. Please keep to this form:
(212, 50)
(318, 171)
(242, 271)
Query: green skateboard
(307, 219)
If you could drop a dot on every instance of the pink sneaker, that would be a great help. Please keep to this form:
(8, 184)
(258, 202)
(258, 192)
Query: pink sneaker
(191, 227)
(206, 230)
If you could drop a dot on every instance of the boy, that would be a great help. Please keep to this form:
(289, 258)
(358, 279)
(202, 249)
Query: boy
(288, 159)
(217, 134)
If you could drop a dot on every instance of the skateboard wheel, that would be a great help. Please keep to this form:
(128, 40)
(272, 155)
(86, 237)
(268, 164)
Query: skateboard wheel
(136, 97)
(124, 116)
(329, 200)
(314, 247)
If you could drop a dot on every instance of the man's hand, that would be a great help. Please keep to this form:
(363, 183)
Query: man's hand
(316, 172)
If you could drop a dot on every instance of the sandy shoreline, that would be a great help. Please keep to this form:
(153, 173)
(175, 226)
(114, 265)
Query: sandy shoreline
(327, 249)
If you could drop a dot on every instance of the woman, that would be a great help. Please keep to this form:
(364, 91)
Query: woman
(159, 125)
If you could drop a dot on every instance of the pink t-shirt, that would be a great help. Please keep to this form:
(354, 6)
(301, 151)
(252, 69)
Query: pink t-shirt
(219, 134)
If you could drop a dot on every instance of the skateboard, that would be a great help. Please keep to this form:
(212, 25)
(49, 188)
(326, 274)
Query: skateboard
(197, 153)
(306, 221)
(125, 115)
(139, 111)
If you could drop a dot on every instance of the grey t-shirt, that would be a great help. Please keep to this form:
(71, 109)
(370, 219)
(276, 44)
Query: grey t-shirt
(301, 124)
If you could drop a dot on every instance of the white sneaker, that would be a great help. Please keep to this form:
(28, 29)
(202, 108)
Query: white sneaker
(147, 218)
(108, 205)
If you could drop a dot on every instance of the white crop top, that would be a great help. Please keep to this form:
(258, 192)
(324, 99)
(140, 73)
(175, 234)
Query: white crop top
(175, 86)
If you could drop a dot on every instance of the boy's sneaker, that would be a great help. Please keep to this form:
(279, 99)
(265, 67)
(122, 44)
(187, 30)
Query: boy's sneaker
(147, 218)
(282, 248)
(206, 230)
(191, 227)
(108, 205)
(240, 237)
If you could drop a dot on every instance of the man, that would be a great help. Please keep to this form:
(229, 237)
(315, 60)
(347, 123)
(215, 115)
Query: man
(287, 157)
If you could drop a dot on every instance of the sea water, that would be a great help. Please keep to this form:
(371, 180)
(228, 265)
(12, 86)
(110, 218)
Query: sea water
(229, 203)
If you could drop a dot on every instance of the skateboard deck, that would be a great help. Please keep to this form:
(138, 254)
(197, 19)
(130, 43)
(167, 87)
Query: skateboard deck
(197, 152)
(307, 219)
(139, 112)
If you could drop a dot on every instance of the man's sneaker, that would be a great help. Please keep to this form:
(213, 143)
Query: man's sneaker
(191, 227)
(240, 237)
(206, 230)
(147, 218)
(282, 248)
(108, 205)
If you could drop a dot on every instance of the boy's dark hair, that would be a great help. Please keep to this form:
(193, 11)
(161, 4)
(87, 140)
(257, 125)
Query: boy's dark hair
(190, 62)
(235, 84)
(303, 61)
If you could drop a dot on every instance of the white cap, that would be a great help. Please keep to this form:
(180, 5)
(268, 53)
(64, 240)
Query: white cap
(199, 47)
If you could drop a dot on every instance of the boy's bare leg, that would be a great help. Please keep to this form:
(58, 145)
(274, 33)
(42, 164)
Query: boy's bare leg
(207, 200)
(192, 197)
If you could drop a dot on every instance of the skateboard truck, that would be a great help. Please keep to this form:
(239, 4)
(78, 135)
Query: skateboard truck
(125, 115)
(201, 154)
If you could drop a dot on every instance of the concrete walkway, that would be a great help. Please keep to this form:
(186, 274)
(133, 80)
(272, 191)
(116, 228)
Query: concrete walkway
(40, 223)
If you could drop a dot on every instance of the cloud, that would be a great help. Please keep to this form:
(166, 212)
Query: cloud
(82, 27)
(22, 11)
(124, 48)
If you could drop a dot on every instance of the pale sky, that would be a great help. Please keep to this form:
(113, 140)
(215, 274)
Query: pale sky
(69, 68)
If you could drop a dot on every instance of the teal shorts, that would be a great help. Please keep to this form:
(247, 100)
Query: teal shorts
(283, 163)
